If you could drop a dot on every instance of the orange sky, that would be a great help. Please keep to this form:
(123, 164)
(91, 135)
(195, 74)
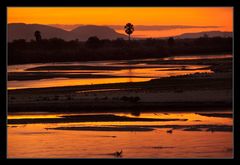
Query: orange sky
(194, 16)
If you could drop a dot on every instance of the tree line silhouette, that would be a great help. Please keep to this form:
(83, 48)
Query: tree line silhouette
(58, 50)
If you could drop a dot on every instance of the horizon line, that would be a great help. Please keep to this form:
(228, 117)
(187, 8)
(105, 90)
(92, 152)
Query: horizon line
(70, 27)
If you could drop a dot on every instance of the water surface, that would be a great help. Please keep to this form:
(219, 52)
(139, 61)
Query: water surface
(139, 71)
(35, 141)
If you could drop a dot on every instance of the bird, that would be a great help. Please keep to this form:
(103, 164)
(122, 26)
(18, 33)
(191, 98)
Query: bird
(118, 153)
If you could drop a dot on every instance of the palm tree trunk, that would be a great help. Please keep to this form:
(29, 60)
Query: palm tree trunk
(128, 37)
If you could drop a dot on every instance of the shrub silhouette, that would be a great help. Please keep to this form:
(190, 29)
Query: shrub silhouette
(58, 50)
(93, 42)
(171, 42)
(38, 36)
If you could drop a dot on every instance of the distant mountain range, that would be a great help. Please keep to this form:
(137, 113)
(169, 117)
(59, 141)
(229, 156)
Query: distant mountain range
(208, 33)
(82, 33)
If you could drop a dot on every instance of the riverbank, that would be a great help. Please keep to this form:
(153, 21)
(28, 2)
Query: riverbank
(184, 92)
(188, 93)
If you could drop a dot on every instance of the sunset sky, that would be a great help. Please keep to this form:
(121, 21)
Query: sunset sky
(157, 21)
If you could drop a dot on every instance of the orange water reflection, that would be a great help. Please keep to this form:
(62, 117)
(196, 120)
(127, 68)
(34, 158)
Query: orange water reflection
(146, 73)
(198, 57)
(34, 141)
(60, 82)
(193, 118)
(128, 75)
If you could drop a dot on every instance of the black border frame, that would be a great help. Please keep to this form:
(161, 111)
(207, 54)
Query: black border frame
(3, 84)
(98, 3)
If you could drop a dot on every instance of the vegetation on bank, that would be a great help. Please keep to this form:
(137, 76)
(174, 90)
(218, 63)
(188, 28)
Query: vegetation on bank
(58, 50)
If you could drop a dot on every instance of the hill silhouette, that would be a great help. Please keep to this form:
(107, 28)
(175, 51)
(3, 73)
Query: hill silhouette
(102, 32)
(208, 33)
(82, 33)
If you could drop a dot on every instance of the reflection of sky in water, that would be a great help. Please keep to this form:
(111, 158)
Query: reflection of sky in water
(22, 67)
(148, 72)
(60, 82)
(31, 139)
(193, 118)
(34, 141)
(198, 57)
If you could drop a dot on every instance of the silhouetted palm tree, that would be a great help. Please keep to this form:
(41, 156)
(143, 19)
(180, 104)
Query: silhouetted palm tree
(38, 36)
(129, 29)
